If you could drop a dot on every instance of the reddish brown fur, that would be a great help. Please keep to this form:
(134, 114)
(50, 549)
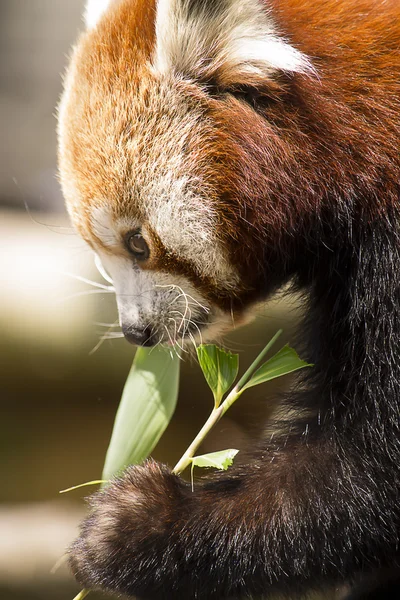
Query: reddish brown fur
(304, 170)
(316, 140)
(109, 63)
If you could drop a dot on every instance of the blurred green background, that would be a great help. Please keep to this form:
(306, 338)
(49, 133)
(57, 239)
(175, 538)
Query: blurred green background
(58, 397)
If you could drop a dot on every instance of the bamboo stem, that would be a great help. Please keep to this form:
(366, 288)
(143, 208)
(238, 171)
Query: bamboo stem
(82, 595)
(212, 420)
(244, 379)
(217, 413)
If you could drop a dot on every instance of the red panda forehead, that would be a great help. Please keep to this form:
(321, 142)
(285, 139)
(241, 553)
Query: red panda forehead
(164, 163)
(149, 150)
(123, 41)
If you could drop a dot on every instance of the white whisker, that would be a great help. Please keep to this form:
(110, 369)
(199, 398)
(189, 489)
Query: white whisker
(113, 335)
(182, 293)
(108, 288)
(193, 341)
(169, 335)
(97, 346)
(86, 293)
(100, 324)
(159, 341)
(180, 346)
(101, 269)
(198, 329)
(107, 335)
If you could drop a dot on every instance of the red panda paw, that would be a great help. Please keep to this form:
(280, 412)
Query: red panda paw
(128, 537)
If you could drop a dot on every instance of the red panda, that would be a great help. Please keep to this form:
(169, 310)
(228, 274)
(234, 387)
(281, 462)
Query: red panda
(211, 152)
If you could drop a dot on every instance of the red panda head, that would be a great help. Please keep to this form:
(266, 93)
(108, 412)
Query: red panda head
(162, 160)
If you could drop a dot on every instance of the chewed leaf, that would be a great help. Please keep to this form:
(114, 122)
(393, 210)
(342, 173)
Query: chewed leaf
(218, 460)
(283, 362)
(220, 369)
(81, 485)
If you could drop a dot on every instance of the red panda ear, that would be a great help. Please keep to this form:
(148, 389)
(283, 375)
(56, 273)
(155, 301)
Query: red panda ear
(227, 41)
(94, 11)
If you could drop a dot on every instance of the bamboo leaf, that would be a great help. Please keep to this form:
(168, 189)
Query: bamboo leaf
(147, 405)
(218, 460)
(81, 485)
(283, 362)
(219, 367)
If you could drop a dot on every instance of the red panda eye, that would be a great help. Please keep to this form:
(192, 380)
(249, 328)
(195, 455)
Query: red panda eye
(137, 246)
(255, 97)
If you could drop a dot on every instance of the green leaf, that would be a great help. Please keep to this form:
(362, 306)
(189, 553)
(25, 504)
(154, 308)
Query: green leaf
(283, 362)
(147, 405)
(218, 460)
(81, 485)
(220, 369)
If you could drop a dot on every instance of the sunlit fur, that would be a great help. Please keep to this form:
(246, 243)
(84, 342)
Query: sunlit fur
(233, 41)
(253, 143)
(95, 10)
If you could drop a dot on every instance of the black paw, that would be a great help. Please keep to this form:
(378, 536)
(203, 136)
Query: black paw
(130, 541)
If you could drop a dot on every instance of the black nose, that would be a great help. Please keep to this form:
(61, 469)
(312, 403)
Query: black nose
(137, 336)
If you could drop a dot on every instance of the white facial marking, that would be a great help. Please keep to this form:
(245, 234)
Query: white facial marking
(170, 305)
(134, 288)
(95, 10)
(184, 223)
(103, 225)
(238, 35)
(108, 228)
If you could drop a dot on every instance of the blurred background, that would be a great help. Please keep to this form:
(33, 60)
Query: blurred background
(59, 386)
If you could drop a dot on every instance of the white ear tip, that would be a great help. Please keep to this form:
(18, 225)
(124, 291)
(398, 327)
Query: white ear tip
(238, 34)
(94, 11)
